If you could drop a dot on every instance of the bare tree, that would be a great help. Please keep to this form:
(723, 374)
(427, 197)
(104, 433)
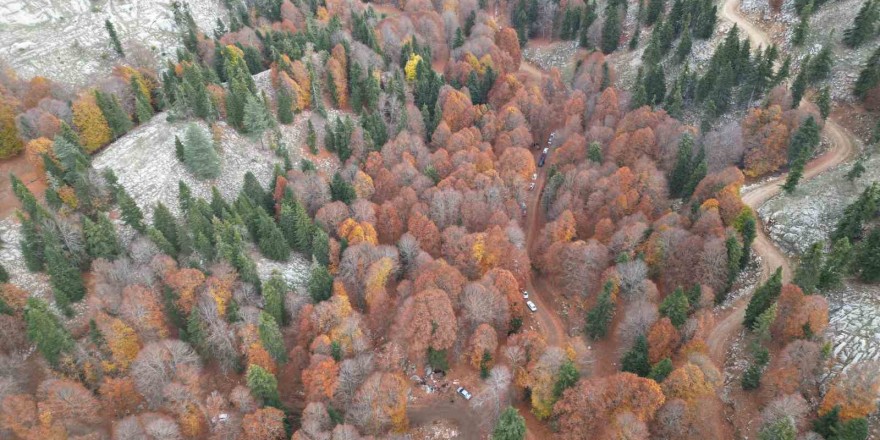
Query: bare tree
(494, 397)
(638, 318)
(159, 364)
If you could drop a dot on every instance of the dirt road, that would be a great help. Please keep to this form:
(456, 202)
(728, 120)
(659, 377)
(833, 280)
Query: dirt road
(730, 12)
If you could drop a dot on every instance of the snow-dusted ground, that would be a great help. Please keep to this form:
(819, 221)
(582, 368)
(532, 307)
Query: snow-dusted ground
(854, 325)
(10, 256)
(65, 40)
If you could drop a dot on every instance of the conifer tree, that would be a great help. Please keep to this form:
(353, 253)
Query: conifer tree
(341, 190)
(734, 255)
(184, 196)
(675, 307)
(256, 117)
(31, 243)
(4, 275)
(130, 212)
(273, 297)
(640, 95)
(143, 108)
(748, 233)
(820, 66)
(114, 39)
(681, 172)
(320, 284)
(285, 106)
(654, 11)
(856, 171)
(636, 359)
(697, 174)
(595, 152)
(763, 298)
(685, 45)
(510, 426)
(66, 280)
(610, 30)
(655, 85)
(863, 26)
(270, 239)
(823, 101)
(101, 239)
(199, 154)
(795, 173)
(270, 336)
(312, 138)
(599, 317)
(45, 330)
(867, 257)
(799, 35)
(660, 370)
(869, 76)
(117, 119)
(263, 385)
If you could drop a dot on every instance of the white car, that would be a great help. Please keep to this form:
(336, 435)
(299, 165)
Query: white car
(525, 294)
(531, 186)
(464, 393)
(534, 176)
(531, 306)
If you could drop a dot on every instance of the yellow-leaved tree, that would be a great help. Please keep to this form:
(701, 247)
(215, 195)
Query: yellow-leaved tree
(93, 129)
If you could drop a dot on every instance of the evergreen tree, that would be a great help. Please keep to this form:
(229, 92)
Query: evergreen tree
(143, 109)
(869, 76)
(799, 35)
(660, 370)
(270, 336)
(820, 66)
(808, 271)
(675, 307)
(131, 213)
(799, 86)
(697, 175)
(117, 119)
(164, 222)
(763, 298)
(179, 149)
(340, 190)
(640, 95)
(734, 255)
(510, 426)
(285, 106)
(321, 247)
(863, 26)
(867, 257)
(101, 239)
(852, 429)
(320, 284)
(655, 85)
(273, 298)
(823, 101)
(263, 385)
(599, 317)
(857, 170)
(681, 172)
(748, 233)
(199, 154)
(114, 39)
(595, 152)
(45, 331)
(270, 240)
(312, 138)
(566, 378)
(184, 196)
(66, 280)
(610, 30)
(684, 46)
(4, 275)
(634, 40)
(827, 424)
(654, 12)
(256, 118)
(31, 243)
(636, 359)
(795, 173)
(751, 378)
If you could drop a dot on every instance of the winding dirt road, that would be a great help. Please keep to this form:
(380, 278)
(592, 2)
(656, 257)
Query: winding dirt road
(843, 147)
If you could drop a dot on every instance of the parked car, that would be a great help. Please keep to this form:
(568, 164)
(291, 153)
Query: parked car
(543, 157)
(534, 176)
(525, 294)
(531, 306)
(464, 393)
(531, 186)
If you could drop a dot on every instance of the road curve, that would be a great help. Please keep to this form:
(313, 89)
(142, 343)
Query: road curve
(757, 37)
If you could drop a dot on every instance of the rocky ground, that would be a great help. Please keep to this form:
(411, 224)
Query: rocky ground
(854, 325)
(65, 40)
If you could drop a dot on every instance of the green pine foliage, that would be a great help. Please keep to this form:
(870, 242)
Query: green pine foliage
(594, 152)
(763, 298)
(143, 108)
(312, 138)
(271, 338)
(660, 370)
(101, 238)
(600, 316)
(566, 378)
(734, 255)
(864, 25)
(869, 76)
(31, 244)
(273, 298)
(321, 247)
(66, 280)
(44, 329)
(114, 39)
(856, 171)
(748, 232)
(857, 213)
(4, 275)
(342, 191)
(510, 426)
(681, 172)
(116, 117)
(263, 385)
(636, 359)
(256, 118)
(751, 378)
(285, 106)
(782, 428)
(199, 155)
(320, 284)
(610, 30)
(820, 66)
(867, 257)
(130, 212)
(675, 307)
(270, 240)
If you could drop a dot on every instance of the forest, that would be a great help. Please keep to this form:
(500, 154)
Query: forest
(588, 297)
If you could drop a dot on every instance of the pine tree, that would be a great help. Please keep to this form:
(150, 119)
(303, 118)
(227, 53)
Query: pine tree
(114, 39)
(131, 213)
(869, 76)
(199, 154)
(143, 109)
(165, 223)
(684, 46)
(256, 118)
(270, 239)
(660, 370)
(795, 173)
(863, 26)
(4, 275)
(675, 307)
(184, 196)
(655, 85)
(655, 11)
(320, 284)
(45, 331)
(101, 239)
(600, 316)
(566, 378)
(321, 247)
(697, 175)
(595, 152)
(285, 106)
(734, 255)
(66, 280)
(681, 172)
(867, 257)
(610, 30)
(799, 86)
(340, 190)
(820, 66)
(751, 378)
(312, 138)
(31, 243)
(748, 233)
(636, 359)
(510, 426)
(270, 336)
(763, 298)
(263, 385)
(273, 298)
(799, 35)
(634, 40)
(804, 142)
(640, 96)
(827, 424)
(856, 171)
(117, 119)
(808, 271)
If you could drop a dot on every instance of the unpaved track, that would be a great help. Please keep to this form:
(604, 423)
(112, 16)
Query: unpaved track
(843, 147)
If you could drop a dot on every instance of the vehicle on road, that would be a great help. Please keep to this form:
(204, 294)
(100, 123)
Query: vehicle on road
(531, 306)
(543, 157)
(531, 186)
(525, 294)
(464, 393)
(534, 176)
